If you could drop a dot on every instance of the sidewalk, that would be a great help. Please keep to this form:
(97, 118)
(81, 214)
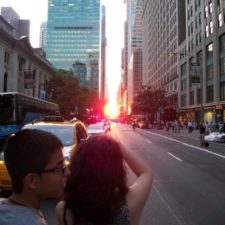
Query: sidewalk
(191, 138)
(183, 132)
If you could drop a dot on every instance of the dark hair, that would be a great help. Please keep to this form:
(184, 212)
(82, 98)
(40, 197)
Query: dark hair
(28, 151)
(96, 188)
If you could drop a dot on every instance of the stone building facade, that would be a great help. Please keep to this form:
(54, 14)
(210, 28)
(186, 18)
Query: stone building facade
(23, 69)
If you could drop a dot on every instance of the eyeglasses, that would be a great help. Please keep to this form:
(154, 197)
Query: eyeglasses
(55, 170)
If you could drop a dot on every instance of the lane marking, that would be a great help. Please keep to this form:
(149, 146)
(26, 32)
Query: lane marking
(148, 141)
(167, 205)
(175, 157)
(192, 146)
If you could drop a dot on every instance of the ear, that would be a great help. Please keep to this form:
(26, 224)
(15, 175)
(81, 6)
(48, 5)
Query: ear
(32, 180)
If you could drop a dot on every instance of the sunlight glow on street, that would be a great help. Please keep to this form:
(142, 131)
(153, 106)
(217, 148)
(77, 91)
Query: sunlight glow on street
(111, 109)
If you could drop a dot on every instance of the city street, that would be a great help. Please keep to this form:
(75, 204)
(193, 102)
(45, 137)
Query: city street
(189, 181)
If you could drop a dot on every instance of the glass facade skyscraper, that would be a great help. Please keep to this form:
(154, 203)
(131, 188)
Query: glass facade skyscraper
(73, 37)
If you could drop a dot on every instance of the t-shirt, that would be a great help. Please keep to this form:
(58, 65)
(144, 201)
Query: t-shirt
(20, 215)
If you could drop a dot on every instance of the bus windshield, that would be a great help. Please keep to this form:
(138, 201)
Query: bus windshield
(6, 110)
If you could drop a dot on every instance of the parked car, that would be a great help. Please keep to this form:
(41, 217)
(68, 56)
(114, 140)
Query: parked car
(97, 129)
(71, 134)
(107, 124)
(52, 118)
(142, 124)
(215, 137)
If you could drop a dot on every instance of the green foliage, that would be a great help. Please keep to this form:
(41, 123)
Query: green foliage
(65, 90)
(148, 100)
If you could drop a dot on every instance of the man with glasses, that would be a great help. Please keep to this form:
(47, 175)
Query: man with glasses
(35, 162)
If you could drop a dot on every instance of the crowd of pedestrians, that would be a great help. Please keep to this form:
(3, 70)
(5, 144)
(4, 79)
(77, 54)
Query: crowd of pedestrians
(93, 190)
(204, 128)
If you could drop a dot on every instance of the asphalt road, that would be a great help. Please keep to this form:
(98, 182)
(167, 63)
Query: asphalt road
(189, 181)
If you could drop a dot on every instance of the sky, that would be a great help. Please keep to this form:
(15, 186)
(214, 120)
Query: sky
(36, 12)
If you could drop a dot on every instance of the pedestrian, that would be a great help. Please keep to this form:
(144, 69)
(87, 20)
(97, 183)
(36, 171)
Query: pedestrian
(133, 124)
(97, 191)
(202, 132)
(190, 127)
(223, 128)
(35, 163)
(168, 127)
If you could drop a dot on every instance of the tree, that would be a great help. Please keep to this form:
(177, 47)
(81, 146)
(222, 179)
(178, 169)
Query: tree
(148, 101)
(71, 97)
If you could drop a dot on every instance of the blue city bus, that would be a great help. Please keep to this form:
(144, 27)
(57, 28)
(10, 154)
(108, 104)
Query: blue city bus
(17, 109)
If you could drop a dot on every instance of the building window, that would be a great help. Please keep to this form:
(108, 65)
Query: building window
(5, 82)
(184, 85)
(220, 20)
(207, 31)
(196, 5)
(222, 66)
(209, 72)
(209, 51)
(199, 96)
(210, 7)
(211, 27)
(196, 39)
(183, 69)
(209, 93)
(199, 19)
(222, 54)
(191, 98)
(200, 36)
(206, 11)
(183, 100)
(6, 59)
(222, 91)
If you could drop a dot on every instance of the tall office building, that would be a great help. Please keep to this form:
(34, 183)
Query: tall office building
(43, 36)
(163, 31)
(103, 54)
(73, 37)
(202, 56)
(132, 68)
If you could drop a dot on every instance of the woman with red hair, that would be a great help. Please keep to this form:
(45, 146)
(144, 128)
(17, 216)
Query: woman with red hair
(97, 190)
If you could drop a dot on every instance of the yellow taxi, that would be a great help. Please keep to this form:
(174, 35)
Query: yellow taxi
(70, 134)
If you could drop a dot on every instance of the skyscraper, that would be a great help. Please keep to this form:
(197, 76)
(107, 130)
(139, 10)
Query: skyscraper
(43, 35)
(73, 37)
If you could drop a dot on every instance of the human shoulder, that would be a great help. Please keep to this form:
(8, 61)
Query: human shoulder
(19, 215)
(60, 208)
(63, 213)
